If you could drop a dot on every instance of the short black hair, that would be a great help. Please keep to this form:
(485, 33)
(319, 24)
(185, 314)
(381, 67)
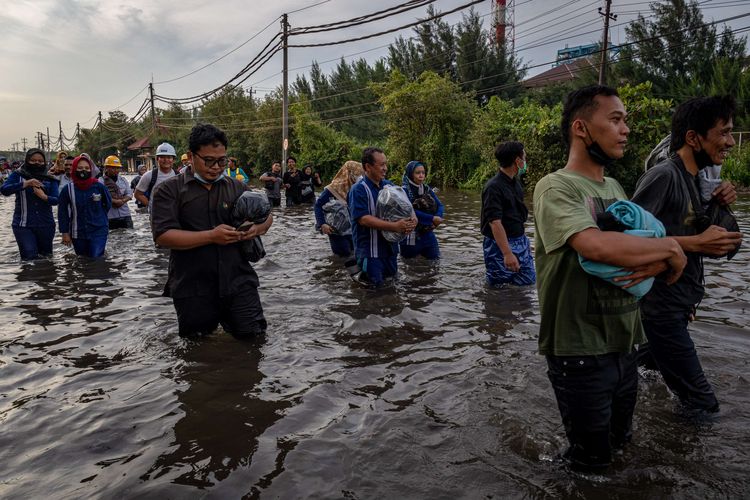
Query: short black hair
(275, 162)
(507, 152)
(581, 102)
(290, 157)
(205, 133)
(700, 114)
(368, 155)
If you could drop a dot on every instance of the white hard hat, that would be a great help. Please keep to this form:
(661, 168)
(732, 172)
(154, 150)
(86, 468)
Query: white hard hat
(165, 149)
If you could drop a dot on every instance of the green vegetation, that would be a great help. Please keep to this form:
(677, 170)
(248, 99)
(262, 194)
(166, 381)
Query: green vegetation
(449, 94)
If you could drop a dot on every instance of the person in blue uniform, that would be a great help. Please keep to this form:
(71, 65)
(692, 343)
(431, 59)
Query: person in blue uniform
(36, 192)
(429, 211)
(84, 204)
(375, 255)
(338, 189)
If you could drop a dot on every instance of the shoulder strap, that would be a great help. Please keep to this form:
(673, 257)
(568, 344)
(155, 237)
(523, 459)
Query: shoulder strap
(692, 191)
(152, 183)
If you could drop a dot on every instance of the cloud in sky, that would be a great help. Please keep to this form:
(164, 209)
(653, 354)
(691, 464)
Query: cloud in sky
(68, 59)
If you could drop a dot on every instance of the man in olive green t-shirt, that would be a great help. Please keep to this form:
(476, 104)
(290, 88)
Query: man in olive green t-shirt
(589, 328)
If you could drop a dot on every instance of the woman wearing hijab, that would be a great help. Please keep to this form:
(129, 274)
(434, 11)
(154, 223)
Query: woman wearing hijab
(338, 190)
(33, 223)
(429, 213)
(308, 181)
(84, 204)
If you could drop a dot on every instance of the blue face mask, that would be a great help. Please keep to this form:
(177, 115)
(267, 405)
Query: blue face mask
(204, 181)
(522, 171)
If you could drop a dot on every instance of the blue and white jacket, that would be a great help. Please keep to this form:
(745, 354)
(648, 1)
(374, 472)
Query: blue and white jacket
(368, 242)
(83, 214)
(30, 210)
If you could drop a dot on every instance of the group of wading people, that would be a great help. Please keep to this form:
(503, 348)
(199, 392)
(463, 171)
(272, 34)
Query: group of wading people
(591, 327)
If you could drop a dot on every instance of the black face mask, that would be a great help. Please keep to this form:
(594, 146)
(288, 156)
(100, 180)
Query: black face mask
(35, 169)
(83, 175)
(597, 154)
(113, 176)
(702, 159)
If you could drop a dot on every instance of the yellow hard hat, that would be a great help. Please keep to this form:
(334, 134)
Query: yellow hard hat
(183, 157)
(112, 161)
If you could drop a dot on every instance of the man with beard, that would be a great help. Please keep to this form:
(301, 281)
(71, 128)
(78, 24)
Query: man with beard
(701, 137)
(589, 327)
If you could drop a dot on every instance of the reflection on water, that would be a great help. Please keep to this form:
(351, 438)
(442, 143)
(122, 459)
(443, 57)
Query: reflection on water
(428, 388)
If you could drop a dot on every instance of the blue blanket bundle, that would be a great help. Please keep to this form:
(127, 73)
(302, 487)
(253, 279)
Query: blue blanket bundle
(638, 222)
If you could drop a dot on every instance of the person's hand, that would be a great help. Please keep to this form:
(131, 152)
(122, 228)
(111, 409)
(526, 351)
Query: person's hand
(39, 192)
(676, 264)
(32, 183)
(257, 229)
(718, 241)
(511, 262)
(436, 221)
(404, 226)
(641, 273)
(287, 186)
(66, 239)
(224, 235)
(726, 193)
(326, 229)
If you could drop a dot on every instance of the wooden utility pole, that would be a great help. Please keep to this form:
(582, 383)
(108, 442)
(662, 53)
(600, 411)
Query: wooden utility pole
(285, 99)
(59, 124)
(151, 99)
(605, 40)
(24, 141)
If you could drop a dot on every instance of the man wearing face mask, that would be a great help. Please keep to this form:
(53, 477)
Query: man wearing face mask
(701, 137)
(120, 192)
(589, 327)
(507, 250)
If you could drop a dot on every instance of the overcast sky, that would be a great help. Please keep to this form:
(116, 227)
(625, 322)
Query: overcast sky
(68, 59)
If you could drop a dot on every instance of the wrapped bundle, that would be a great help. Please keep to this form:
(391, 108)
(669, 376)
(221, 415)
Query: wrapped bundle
(254, 207)
(393, 204)
(337, 216)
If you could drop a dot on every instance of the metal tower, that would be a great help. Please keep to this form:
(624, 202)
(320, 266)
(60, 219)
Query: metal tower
(504, 19)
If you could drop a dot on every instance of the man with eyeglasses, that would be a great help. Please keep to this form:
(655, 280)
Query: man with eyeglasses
(210, 281)
(165, 157)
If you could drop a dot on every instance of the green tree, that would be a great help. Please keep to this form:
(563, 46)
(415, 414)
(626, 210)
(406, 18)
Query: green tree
(428, 120)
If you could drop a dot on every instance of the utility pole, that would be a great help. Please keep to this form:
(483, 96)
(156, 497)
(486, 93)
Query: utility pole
(101, 140)
(605, 39)
(59, 124)
(151, 98)
(285, 105)
(24, 141)
(49, 144)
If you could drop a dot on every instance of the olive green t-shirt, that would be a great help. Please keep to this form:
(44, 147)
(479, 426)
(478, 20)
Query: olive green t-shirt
(581, 314)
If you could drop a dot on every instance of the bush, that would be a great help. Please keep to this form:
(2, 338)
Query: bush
(736, 168)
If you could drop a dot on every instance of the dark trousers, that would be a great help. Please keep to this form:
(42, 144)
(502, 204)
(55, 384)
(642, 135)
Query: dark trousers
(673, 351)
(275, 202)
(425, 245)
(240, 314)
(596, 396)
(376, 270)
(121, 223)
(90, 247)
(343, 246)
(34, 242)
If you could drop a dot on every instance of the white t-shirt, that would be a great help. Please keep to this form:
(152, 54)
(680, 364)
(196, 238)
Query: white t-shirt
(146, 179)
(123, 186)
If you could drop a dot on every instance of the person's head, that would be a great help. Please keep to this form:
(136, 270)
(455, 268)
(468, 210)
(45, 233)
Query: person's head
(165, 156)
(307, 169)
(345, 178)
(375, 164)
(233, 163)
(81, 167)
(276, 167)
(704, 125)
(416, 172)
(68, 164)
(208, 152)
(593, 119)
(35, 158)
(511, 157)
(291, 163)
(112, 166)
(184, 160)
(61, 155)
(141, 169)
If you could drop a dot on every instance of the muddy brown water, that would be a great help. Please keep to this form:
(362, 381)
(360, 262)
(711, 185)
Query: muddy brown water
(428, 389)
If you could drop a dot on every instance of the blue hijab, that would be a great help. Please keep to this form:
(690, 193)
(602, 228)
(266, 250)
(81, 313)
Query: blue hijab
(414, 190)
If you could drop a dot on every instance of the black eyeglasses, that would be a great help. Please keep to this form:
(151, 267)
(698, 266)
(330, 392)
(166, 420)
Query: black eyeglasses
(210, 162)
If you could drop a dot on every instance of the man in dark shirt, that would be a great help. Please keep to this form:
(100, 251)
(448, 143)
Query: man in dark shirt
(507, 252)
(209, 280)
(701, 137)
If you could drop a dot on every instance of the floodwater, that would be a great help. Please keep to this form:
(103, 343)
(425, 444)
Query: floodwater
(428, 389)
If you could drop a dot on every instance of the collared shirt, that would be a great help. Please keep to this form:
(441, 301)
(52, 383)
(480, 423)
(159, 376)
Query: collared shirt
(184, 203)
(83, 213)
(368, 242)
(122, 188)
(30, 210)
(502, 199)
